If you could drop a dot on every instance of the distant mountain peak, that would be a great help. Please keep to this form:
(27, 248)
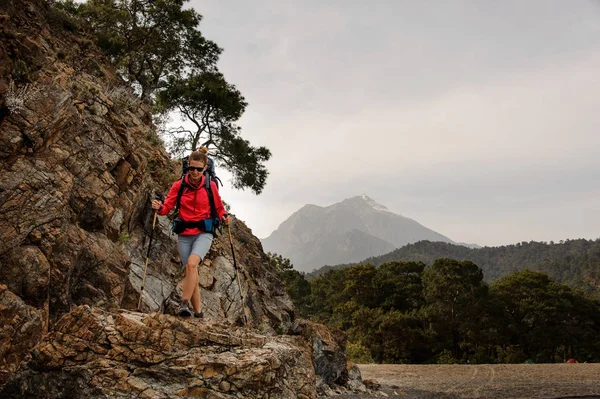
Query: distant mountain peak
(348, 231)
(365, 199)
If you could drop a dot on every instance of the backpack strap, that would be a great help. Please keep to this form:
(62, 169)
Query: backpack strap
(211, 172)
(184, 165)
(211, 199)
(217, 181)
(179, 194)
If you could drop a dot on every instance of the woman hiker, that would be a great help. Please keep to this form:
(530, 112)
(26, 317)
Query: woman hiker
(195, 225)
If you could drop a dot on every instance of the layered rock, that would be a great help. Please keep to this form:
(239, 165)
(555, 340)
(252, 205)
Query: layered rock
(20, 330)
(97, 354)
(76, 170)
(263, 300)
(79, 162)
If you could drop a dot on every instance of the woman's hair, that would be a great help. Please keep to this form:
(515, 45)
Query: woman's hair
(203, 150)
(198, 156)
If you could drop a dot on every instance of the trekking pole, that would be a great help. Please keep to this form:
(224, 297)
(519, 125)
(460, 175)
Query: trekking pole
(158, 197)
(237, 274)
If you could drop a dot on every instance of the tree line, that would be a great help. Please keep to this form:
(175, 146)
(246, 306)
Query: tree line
(572, 262)
(407, 312)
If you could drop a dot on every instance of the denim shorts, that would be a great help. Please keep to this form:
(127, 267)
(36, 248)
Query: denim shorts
(197, 244)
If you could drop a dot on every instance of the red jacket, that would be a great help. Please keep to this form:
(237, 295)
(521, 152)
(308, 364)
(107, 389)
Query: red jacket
(195, 205)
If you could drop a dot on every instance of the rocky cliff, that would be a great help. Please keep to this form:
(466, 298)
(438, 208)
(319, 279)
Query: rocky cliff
(79, 162)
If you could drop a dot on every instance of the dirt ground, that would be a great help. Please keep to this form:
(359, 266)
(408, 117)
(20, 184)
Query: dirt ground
(485, 381)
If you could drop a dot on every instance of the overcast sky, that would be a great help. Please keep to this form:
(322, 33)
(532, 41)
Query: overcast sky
(478, 119)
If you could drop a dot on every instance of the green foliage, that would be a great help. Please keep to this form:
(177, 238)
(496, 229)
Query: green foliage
(124, 238)
(295, 285)
(213, 106)
(158, 50)
(358, 353)
(542, 315)
(163, 177)
(154, 138)
(20, 71)
(512, 354)
(245, 162)
(446, 357)
(399, 284)
(148, 41)
(572, 262)
(404, 312)
(62, 15)
(327, 292)
(453, 292)
(359, 285)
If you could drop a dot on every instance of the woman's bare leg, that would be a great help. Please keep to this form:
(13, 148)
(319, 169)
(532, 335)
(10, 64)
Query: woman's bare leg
(196, 299)
(190, 284)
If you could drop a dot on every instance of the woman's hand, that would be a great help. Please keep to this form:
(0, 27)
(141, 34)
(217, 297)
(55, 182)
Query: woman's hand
(156, 205)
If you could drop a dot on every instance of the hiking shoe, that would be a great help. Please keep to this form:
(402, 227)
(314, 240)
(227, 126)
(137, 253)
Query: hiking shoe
(184, 309)
(198, 315)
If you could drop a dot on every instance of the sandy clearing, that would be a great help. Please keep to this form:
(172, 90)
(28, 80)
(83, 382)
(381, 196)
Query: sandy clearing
(485, 381)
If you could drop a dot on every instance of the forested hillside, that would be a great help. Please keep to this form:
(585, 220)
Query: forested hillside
(572, 262)
(407, 312)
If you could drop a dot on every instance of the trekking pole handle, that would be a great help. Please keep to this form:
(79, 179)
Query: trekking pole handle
(157, 197)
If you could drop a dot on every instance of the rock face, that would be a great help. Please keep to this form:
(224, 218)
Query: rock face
(127, 354)
(20, 329)
(79, 161)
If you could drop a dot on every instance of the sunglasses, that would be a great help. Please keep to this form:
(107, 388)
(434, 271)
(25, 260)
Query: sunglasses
(190, 168)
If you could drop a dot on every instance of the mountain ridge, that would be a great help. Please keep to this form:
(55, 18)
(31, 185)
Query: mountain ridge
(572, 261)
(315, 235)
